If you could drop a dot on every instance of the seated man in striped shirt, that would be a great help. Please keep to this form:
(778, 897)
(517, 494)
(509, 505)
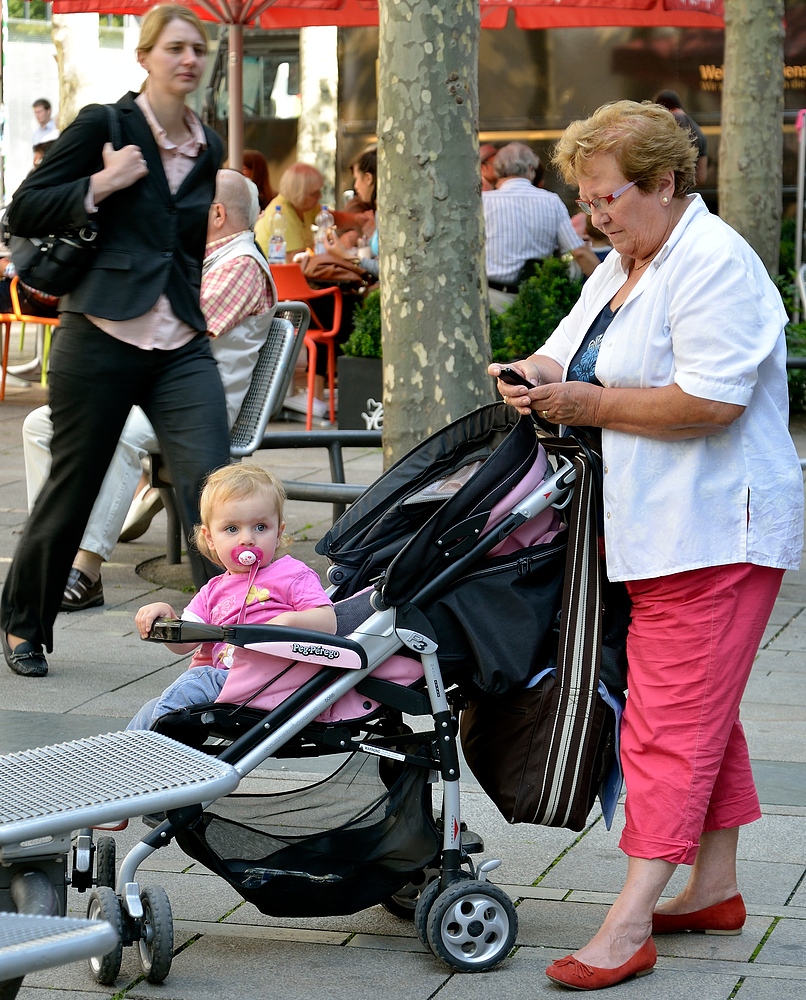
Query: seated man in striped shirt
(524, 223)
(237, 296)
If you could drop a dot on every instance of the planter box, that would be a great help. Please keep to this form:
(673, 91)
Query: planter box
(360, 394)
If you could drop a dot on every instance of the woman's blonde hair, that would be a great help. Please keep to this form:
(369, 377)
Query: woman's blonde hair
(236, 482)
(158, 19)
(644, 139)
(299, 182)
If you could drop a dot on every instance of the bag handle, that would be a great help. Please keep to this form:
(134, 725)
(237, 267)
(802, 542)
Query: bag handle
(580, 650)
(114, 125)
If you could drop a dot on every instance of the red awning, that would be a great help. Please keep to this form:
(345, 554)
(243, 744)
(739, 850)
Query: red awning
(494, 13)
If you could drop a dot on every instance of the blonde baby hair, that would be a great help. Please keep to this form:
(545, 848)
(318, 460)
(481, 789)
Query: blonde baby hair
(237, 482)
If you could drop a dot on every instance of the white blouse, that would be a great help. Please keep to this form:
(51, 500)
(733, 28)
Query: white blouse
(706, 316)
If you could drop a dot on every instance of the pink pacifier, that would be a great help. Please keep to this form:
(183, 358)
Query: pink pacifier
(247, 555)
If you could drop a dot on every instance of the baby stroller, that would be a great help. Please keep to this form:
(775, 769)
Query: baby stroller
(469, 517)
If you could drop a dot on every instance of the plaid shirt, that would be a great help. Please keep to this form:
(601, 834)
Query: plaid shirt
(232, 291)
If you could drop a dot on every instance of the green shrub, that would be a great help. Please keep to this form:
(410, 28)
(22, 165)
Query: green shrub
(795, 332)
(796, 377)
(786, 256)
(541, 303)
(365, 340)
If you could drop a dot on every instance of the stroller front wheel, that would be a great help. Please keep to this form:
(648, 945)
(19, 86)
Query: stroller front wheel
(105, 861)
(472, 926)
(104, 905)
(156, 945)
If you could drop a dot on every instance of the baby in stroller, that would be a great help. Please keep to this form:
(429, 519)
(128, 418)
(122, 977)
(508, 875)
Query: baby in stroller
(241, 530)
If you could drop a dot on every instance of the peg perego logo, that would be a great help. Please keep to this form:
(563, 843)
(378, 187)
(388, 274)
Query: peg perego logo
(298, 647)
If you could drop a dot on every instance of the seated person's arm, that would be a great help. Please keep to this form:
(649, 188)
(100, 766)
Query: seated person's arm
(586, 258)
(337, 248)
(321, 619)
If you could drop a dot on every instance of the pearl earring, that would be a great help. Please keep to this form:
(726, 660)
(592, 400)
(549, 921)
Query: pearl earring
(665, 200)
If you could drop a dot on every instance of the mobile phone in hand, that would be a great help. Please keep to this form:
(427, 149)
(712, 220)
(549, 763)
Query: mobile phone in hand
(512, 377)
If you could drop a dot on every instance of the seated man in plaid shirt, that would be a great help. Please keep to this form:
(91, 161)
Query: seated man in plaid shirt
(237, 296)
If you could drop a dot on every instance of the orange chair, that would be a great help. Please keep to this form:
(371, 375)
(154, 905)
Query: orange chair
(293, 287)
(47, 322)
(6, 319)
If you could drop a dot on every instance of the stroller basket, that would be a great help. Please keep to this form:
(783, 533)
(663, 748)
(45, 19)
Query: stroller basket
(334, 847)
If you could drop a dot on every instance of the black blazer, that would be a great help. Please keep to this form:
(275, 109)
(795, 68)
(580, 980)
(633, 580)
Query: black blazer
(150, 242)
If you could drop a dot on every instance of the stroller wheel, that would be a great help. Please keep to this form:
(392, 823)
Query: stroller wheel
(155, 949)
(105, 861)
(104, 905)
(472, 926)
(404, 903)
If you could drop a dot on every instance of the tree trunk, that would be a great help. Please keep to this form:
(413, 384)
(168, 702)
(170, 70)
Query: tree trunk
(433, 287)
(751, 149)
(76, 39)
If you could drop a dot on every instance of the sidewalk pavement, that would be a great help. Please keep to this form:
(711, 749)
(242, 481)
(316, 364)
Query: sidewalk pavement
(100, 673)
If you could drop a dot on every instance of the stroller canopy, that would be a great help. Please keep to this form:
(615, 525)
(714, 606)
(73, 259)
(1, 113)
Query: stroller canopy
(366, 539)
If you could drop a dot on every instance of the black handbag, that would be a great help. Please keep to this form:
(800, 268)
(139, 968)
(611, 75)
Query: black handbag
(55, 264)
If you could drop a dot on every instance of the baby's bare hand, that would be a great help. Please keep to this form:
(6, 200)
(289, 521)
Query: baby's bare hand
(147, 615)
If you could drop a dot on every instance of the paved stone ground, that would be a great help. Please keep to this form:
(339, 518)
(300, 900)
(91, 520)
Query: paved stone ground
(101, 673)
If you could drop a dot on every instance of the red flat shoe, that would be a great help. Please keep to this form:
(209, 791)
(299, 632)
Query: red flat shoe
(570, 972)
(721, 918)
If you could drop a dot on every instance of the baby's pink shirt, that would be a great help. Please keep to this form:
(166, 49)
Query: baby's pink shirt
(283, 585)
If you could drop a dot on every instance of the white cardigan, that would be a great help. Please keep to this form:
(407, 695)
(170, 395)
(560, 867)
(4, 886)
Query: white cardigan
(706, 316)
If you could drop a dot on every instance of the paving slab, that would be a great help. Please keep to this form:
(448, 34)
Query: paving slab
(786, 945)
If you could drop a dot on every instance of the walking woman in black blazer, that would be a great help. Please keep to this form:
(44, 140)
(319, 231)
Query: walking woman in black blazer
(132, 331)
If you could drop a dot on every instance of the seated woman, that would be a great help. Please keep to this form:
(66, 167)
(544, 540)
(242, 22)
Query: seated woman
(346, 244)
(300, 192)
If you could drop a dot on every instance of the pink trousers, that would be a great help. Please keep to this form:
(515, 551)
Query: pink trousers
(690, 649)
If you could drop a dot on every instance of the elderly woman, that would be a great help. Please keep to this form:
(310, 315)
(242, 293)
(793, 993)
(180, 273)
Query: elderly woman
(300, 191)
(676, 352)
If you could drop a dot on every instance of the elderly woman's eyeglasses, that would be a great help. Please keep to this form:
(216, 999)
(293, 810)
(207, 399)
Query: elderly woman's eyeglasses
(602, 204)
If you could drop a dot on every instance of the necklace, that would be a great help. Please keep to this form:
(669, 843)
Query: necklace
(640, 267)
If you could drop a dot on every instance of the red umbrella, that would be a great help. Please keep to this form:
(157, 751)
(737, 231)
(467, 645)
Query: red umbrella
(364, 13)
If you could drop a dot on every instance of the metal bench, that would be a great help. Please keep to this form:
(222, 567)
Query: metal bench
(31, 942)
(49, 793)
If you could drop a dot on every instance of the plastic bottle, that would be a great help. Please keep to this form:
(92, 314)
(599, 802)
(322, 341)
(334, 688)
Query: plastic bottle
(277, 238)
(323, 222)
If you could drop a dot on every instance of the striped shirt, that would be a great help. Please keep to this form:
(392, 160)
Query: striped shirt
(236, 289)
(523, 223)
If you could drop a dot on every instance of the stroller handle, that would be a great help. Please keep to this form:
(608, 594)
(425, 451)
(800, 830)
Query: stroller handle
(176, 630)
(304, 643)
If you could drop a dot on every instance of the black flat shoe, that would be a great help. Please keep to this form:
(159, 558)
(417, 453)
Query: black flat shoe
(26, 660)
(81, 593)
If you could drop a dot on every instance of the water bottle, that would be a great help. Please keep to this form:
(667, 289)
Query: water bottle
(323, 223)
(277, 238)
